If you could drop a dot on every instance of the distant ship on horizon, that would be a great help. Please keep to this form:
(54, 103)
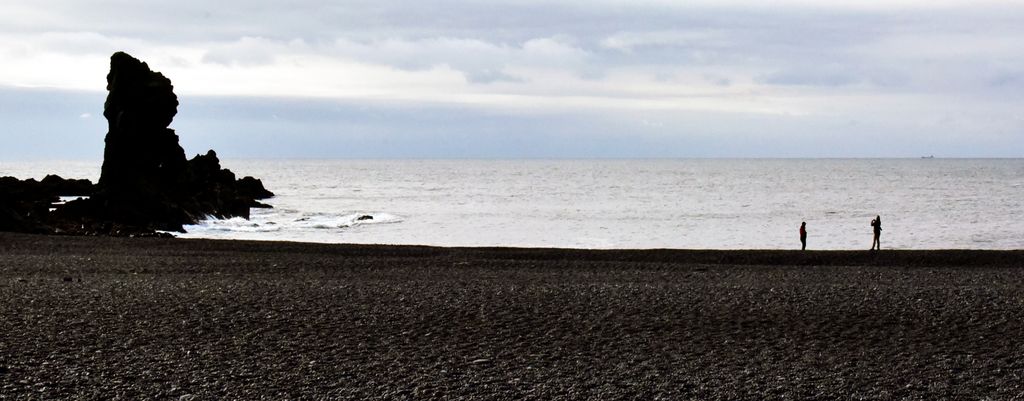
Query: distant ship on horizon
(928, 157)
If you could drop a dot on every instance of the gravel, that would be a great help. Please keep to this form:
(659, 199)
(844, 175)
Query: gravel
(149, 318)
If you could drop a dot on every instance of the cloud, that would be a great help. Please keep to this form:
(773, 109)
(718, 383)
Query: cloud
(628, 41)
(247, 51)
(829, 76)
(882, 63)
(479, 60)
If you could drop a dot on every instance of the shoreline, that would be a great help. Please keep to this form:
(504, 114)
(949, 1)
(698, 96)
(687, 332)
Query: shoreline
(768, 257)
(144, 318)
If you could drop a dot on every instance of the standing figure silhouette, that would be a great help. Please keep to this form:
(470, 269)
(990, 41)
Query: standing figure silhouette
(803, 235)
(876, 225)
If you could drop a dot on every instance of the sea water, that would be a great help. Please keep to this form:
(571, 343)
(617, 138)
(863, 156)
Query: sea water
(690, 203)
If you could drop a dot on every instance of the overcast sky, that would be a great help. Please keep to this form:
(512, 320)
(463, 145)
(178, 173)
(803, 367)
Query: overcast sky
(594, 78)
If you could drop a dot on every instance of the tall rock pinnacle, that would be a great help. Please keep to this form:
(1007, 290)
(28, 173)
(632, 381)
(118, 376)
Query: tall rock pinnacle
(146, 184)
(140, 149)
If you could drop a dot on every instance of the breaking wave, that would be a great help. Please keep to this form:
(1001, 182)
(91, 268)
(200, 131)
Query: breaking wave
(285, 221)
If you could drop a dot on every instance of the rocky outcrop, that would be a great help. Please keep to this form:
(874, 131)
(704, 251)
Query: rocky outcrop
(25, 205)
(216, 192)
(141, 154)
(146, 183)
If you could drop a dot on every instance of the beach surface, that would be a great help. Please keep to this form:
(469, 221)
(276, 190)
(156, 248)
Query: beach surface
(151, 318)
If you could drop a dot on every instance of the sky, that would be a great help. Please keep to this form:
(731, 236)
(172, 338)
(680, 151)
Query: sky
(528, 79)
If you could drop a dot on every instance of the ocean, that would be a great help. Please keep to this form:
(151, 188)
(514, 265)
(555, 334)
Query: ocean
(686, 203)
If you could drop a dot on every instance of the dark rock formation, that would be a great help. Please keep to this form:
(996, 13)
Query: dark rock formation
(146, 183)
(25, 205)
(216, 192)
(146, 180)
(141, 153)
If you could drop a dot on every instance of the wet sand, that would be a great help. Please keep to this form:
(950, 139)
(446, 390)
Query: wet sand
(118, 318)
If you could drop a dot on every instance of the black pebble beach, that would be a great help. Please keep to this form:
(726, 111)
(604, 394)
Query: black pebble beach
(153, 318)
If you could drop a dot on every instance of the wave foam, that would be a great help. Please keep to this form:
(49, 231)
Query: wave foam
(272, 220)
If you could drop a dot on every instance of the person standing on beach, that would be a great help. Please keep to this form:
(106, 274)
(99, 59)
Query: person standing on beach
(803, 235)
(876, 225)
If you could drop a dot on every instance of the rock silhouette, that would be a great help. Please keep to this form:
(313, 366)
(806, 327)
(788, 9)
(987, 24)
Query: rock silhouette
(141, 153)
(146, 183)
(25, 205)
